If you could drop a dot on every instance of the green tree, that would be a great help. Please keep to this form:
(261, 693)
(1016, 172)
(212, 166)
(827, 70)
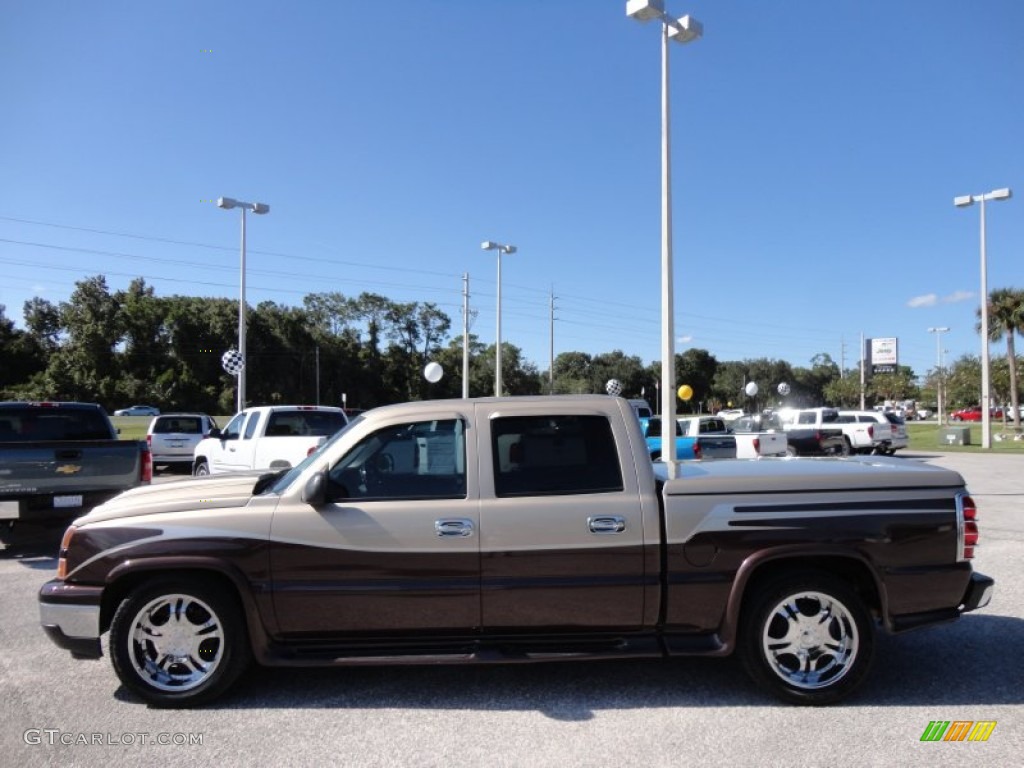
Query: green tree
(696, 368)
(572, 373)
(1006, 318)
(86, 365)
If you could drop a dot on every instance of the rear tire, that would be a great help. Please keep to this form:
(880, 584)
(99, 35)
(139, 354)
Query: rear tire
(807, 638)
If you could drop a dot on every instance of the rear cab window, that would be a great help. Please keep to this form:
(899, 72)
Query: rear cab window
(45, 423)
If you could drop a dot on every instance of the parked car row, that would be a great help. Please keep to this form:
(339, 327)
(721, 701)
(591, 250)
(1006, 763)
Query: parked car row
(973, 413)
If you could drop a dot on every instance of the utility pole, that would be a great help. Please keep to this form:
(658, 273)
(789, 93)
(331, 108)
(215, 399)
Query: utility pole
(863, 365)
(465, 335)
(551, 351)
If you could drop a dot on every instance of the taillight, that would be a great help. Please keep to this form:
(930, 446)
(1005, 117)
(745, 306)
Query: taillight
(146, 465)
(312, 450)
(968, 533)
(696, 450)
(871, 432)
(62, 556)
(757, 446)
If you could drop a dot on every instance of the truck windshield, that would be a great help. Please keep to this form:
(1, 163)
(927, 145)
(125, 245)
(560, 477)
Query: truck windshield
(279, 485)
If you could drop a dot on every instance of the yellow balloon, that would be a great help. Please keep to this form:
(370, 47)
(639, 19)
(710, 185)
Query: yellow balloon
(685, 392)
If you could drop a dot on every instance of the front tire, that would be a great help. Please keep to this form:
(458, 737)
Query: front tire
(201, 469)
(179, 643)
(807, 638)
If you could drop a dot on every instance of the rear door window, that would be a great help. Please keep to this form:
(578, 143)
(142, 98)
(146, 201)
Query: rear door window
(554, 455)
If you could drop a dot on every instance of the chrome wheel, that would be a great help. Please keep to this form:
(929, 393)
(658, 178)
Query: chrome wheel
(810, 640)
(806, 637)
(179, 641)
(176, 642)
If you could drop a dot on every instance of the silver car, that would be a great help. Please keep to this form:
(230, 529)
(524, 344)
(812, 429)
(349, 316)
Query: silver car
(172, 437)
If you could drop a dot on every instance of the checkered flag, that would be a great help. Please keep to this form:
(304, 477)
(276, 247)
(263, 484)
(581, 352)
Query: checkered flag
(233, 362)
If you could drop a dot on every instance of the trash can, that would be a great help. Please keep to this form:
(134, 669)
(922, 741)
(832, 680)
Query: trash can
(955, 436)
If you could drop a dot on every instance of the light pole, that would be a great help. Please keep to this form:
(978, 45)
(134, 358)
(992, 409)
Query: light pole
(962, 202)
(938, 363)
(487, 245)
(227, 203)
(681, 30)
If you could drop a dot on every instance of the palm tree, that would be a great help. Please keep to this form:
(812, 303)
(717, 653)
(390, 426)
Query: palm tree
(1006, 318)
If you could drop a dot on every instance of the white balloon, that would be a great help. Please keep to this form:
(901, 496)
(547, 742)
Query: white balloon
(783, 388)
(751, 389)
(433, 372)
(613, 387)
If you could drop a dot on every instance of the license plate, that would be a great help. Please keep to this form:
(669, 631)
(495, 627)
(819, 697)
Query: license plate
(8, 510)
(67, 501)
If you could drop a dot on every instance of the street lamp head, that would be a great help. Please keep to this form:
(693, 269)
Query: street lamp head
(1001, 194)
(963, 201)
(507, 249)
(645, 10)
(226, 202)
(938, 330)
(487, 245)
(685, 29)
(260, 208)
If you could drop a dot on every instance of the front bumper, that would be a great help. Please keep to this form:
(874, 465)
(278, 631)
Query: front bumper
(70, 616)
(978, 593)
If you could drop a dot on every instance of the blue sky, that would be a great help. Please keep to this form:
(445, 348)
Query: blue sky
(817, 148)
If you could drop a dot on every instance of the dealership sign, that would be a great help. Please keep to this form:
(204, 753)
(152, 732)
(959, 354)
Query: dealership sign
(882, 355)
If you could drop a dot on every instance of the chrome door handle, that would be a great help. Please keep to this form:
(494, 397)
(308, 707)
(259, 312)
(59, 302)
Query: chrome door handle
(612, 524)
(459, 526)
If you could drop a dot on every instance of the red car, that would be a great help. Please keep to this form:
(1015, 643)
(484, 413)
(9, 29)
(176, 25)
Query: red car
(973, 413)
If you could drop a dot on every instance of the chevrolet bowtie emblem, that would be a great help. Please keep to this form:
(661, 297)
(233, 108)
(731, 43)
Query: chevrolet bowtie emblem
(69, 469)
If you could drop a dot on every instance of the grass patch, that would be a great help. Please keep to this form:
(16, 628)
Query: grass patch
(927, 437)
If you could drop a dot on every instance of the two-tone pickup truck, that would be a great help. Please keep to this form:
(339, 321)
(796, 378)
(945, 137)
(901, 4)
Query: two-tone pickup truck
(511, 530)
(58, 459)
(267, 437)
(694, 440)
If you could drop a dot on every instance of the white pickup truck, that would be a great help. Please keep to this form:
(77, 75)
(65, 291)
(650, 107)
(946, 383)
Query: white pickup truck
(757, 436)
(267, 437)
(859, 436)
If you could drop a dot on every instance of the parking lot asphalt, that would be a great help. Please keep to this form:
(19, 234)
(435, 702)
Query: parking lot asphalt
(649, 713)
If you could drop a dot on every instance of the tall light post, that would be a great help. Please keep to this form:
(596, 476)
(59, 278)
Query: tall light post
(487, 245)
(228, 203)
(938, 331)
(964, 201)
(681, 30)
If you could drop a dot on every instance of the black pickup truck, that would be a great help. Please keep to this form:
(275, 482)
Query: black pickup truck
(59, 459)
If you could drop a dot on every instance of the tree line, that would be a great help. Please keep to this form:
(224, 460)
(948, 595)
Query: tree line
(132, 346)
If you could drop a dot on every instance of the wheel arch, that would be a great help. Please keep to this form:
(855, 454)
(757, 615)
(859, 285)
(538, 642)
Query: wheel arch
(763, 568)
(131, 575)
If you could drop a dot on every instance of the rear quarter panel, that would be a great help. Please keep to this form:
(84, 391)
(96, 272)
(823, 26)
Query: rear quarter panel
(724, 520)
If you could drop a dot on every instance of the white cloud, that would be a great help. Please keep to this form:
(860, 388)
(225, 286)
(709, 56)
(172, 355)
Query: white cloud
(928, 300)
(957, 296)
(684, 339)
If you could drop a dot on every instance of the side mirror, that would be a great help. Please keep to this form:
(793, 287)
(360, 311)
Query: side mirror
(213, 433)
(315, 492)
